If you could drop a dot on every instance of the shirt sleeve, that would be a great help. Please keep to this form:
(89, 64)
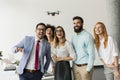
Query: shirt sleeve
(71, 50)
(115, 50)
(20, 45)
(91, 52)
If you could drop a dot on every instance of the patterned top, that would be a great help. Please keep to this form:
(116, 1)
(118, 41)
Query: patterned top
(64, 51)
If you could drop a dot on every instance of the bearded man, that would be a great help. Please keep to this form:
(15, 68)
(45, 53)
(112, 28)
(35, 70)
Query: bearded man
(83, 44)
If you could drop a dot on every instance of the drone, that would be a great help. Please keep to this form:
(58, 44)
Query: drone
(53, 13)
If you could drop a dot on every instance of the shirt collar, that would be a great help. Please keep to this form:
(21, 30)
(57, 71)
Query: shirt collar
(37, 39)
(80, 32)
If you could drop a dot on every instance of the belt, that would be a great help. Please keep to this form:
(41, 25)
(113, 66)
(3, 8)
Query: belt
(79, 65)
(30, 71)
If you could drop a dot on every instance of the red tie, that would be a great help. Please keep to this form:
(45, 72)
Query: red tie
(37, 56)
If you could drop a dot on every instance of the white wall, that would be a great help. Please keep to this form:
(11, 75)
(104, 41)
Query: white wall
(19, 17)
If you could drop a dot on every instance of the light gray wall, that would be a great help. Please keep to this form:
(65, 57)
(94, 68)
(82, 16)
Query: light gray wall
(113, 7)
(19, 17)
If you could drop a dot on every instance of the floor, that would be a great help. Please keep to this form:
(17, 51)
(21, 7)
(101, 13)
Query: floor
(98, 74)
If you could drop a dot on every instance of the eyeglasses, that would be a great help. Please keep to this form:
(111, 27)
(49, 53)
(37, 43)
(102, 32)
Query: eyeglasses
(40, 29)
(59, 30)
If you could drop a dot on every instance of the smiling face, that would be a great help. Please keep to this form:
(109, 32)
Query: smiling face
(78, 25)
(49, 32)
(98, 29)
(59, 33)
(40, 31)
(59, 37)
(100, 32)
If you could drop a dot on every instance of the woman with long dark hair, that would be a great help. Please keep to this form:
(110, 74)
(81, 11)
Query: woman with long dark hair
(49, 35)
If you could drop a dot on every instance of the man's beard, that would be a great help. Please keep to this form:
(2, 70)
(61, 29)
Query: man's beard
(79, 29)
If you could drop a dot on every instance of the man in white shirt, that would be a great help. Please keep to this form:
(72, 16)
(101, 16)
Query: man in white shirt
(35, 50)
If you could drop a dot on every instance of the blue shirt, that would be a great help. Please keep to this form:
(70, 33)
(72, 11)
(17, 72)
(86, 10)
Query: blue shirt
(83, 44)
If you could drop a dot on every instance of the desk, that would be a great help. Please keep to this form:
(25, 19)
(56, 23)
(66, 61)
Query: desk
(11, 75)
(8, 75)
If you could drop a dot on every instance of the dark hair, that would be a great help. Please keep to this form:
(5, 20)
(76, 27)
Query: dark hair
(52, 27)
(40, 24)
(78, 17)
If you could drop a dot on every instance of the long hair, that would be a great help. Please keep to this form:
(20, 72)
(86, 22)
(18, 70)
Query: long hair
(52, 27)
(56, 40)
(105, 35)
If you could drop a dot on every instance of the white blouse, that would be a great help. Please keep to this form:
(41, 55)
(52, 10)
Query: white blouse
(108, 53)
(64, 51)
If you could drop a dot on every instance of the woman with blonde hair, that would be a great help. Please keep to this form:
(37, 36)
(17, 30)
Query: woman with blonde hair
(107, 51)
(64, 53)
